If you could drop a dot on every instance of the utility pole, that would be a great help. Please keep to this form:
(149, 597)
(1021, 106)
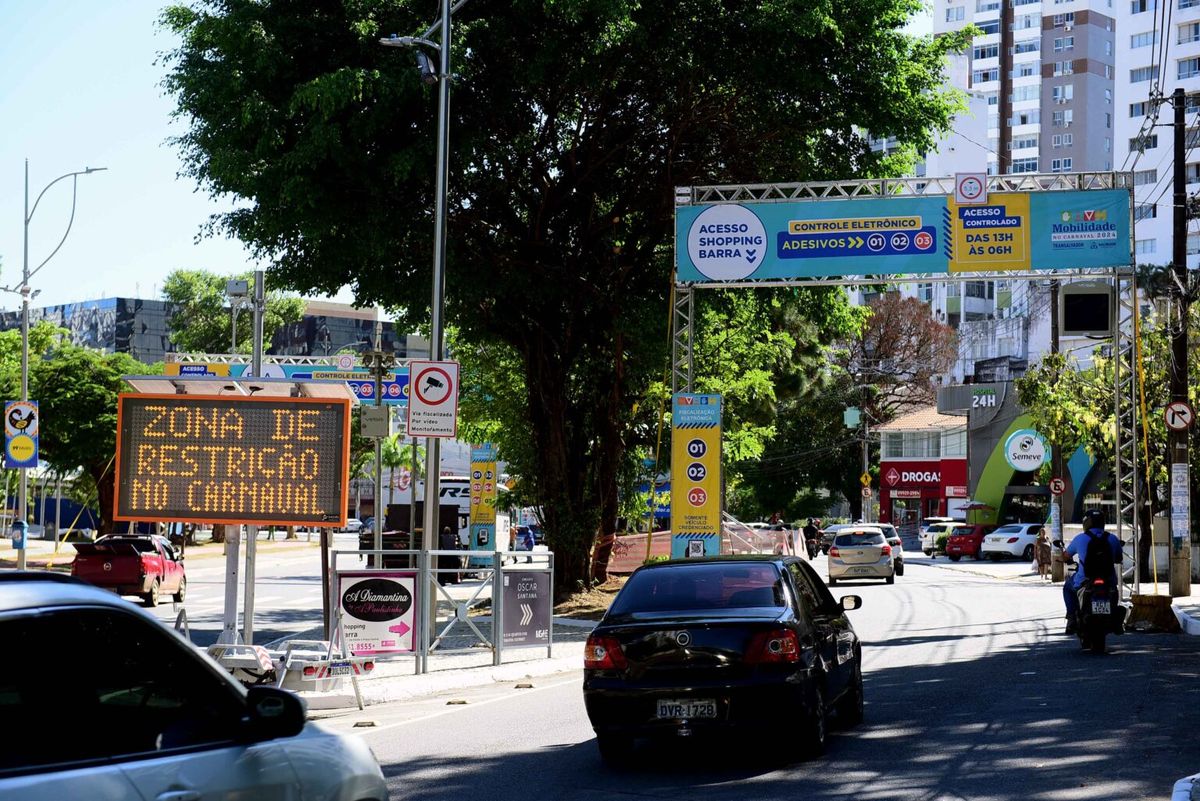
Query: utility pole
(379, 362)
(258, 307)
(866, 464)
(1180, 556)
(1058, 571)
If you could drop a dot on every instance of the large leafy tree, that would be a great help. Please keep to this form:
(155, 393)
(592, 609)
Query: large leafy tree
(202, 320)
(77, 390)
(572, 123)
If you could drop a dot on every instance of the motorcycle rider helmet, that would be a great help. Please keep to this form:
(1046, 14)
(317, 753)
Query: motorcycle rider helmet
(1093, 518)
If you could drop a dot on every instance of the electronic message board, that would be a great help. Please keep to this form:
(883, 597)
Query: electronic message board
(216, 459)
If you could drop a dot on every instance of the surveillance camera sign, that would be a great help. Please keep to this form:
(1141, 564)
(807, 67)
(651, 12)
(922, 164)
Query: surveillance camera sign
(433, 399)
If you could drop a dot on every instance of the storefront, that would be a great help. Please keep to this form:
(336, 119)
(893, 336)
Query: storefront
(923, 467)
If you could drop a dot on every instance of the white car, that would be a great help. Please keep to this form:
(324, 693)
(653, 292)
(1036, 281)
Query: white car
(353, 525)
(861, 552)
(931, 532)
(1017, 540)
(134, 712)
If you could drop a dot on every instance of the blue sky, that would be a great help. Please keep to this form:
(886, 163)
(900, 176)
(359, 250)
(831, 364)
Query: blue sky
(79, 87)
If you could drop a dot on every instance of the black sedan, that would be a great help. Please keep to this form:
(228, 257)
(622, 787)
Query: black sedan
(734, 643)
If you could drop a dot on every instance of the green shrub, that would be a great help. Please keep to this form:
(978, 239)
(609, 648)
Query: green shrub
(940, 545)
(654, 559)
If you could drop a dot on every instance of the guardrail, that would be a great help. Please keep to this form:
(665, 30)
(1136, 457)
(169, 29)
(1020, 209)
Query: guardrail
(524, 579)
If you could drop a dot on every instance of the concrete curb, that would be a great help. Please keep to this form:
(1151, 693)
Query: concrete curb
(1188, 623)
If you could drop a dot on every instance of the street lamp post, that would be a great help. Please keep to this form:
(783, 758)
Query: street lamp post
(437, 302)
(26, 293)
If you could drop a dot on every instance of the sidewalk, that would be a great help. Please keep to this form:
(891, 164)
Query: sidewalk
(39, 554)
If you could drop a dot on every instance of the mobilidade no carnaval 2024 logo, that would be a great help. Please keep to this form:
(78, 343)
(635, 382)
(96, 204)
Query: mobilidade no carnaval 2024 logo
(1082, 227)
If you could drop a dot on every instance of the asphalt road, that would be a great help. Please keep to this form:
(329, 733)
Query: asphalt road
(287, 596)
(972, 692)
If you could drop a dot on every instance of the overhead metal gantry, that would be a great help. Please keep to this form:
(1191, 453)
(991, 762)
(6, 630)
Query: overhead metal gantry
(1125, 409)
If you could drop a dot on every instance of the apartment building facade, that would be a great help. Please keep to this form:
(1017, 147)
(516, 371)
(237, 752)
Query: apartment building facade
(1155, 60)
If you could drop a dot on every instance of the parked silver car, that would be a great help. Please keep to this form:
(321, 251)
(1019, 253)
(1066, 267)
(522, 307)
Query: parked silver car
(112, 704)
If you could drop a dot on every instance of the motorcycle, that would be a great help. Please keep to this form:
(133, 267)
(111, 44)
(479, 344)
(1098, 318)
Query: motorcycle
(1099, 614)
(813, 546)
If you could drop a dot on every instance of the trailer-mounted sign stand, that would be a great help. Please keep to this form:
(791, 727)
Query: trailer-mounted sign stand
(213, 389)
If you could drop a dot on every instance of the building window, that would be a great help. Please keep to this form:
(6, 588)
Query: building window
(986, 51)
(1061, 119)
(1189, 32)
(1026, 69)
(986, 5)
(1056, 140)
(1064, 43)
(1108, 96)
(1068, 140)
(1027, 117)
(925, 292)
(1027, 46)
(1189, 67)
(1145, 177)
(1024, 2)
(1108, 48)
(1024, 165)
(1140, 74)
(1021, 93)
(1107, 144)
(1107, 121)
(1143, 143)
(989, 27)
(1192, 171)
(1188, 3)
(1193, 244)
(1023, 142)
(1145, 247)
(956, 13)
(1137, 109)
(954, 443)
(1143, 39)
(1145, 211)
(985, 76)
(893, 444)
(1064, 19)
(1141, 6)
(1063, 94)
(993, 99)
(1061, 165)
(1023, 22)
(1108, 71)
(1064, 67)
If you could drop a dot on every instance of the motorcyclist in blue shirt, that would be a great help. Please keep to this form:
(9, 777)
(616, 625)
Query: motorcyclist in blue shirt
(1093, 534)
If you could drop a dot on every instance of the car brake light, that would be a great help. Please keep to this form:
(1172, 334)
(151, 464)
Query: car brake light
(1098, 582)
(603, 653)
(368, 667)
(775, 646)
(1011, 540)
(309, 670)
(887, 550)
(833, 551)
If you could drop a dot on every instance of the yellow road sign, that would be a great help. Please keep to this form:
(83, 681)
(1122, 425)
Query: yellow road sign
(865, 479)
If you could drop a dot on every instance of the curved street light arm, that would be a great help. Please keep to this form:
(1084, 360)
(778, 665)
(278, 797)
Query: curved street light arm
(74, 176)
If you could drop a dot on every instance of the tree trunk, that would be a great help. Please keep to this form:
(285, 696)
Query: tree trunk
(610, 447)
(291, 533)
(106, 492)
(562, 464)
(218, 535)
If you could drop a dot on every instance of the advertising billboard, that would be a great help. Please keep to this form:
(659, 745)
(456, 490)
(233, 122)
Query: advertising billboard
(216, 459)
(1011, 231)
(695, 475)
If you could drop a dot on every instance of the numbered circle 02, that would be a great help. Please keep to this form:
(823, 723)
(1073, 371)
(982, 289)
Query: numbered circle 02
(697, 471)
(697, 448)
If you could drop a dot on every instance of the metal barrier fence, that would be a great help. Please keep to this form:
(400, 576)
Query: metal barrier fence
(523, 580)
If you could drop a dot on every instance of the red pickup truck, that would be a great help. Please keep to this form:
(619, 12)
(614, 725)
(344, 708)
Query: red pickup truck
(129, 564)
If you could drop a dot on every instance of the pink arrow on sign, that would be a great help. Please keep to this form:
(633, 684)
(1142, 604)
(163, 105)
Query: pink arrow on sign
(400, 629)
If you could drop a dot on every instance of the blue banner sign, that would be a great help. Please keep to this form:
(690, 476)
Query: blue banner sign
(1017, 231)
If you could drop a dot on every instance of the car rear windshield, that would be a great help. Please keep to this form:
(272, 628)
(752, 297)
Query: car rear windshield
(1009, 530)
(142, 546)
(962, 531)
(858, 538)
(701, 587)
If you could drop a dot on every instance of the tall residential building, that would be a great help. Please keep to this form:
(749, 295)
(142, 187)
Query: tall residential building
(1154, 60)
(1046, 71)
